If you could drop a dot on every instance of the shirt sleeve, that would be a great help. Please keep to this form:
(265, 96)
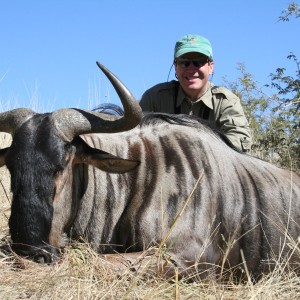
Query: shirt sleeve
(234, 124)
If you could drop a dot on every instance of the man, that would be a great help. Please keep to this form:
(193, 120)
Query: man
(194, 94)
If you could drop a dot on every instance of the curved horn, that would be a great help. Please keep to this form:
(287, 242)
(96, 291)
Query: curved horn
(11, 120)
(73, 122)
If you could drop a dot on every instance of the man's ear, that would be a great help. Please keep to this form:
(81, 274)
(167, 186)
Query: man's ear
(211, 66)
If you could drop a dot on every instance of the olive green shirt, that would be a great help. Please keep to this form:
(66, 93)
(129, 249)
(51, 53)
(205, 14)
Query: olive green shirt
(224, 109)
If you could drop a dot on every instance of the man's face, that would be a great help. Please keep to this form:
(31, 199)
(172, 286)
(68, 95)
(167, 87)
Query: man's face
(193, 70)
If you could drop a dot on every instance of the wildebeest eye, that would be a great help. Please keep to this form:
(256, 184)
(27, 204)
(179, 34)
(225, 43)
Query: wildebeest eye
(69, 150)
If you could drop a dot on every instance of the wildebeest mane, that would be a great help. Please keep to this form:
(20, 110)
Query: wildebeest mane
(110, 109)
(186, 120)
(180, 119)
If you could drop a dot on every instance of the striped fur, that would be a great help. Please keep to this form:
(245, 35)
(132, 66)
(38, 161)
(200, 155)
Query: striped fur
(240, 202)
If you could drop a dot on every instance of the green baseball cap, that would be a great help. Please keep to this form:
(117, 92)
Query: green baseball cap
(193, 43)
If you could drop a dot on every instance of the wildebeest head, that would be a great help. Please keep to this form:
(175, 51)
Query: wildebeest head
(44, 149)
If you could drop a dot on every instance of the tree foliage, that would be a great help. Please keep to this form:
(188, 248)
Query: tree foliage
(288, 87)
(292, 10)
(274, 119)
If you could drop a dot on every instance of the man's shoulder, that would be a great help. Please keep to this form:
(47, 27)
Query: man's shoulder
(225, 92)
(159, 98)
(163, 86)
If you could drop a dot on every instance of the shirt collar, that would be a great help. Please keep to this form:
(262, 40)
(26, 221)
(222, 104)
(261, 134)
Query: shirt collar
(206, 98)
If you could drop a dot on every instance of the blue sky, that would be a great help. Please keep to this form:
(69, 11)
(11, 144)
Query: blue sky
(49, 48)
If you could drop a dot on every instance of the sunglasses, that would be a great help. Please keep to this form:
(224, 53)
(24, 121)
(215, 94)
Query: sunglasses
(197, 62)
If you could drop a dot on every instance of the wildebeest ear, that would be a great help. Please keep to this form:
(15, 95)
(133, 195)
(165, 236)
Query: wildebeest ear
(107, 162)
(101, 159)
(112, 164)
(2, 156)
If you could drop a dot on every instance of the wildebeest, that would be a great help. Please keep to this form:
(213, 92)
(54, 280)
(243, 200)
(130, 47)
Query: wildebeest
(119, 183)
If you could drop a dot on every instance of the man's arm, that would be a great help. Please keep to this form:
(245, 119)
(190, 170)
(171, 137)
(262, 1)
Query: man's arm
(235, 126)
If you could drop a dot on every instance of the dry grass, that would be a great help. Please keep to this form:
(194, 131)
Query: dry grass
(83, 274)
